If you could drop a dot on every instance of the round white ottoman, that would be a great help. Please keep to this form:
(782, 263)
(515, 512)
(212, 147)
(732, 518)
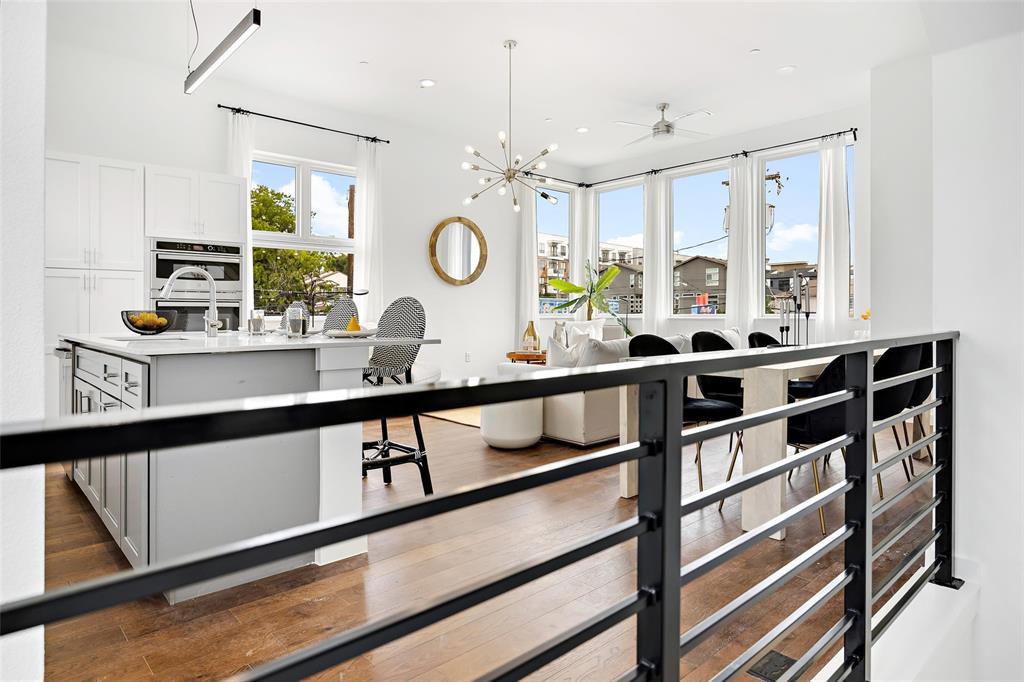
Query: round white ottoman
(513, 425)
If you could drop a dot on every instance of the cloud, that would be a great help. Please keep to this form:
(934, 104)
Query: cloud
(784, 238)
(631, 240)
(331, 208)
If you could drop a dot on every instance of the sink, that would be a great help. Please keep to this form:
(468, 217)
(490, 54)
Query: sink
(155, 337)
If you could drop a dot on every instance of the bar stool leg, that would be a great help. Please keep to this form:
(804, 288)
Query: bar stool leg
(817, 490)
(878, 477)
(899, 446)
(700, 472)
(732, 465)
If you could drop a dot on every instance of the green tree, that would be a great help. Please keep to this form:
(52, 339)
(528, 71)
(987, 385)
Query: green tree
(281, 276)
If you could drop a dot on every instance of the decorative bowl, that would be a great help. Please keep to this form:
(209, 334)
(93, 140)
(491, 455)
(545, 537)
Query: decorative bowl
(148, 322)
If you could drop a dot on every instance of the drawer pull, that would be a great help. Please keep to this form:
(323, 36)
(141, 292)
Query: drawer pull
(110, 375)
(131, 384)
(107, 406)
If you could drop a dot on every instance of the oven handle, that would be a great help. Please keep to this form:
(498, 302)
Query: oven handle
(173, 255)
(165, 303)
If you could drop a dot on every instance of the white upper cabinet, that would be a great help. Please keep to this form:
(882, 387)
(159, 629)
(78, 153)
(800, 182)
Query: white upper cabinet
(222, 206)
(67, 212)
(117, 217)
(66, 294)
(172, 202)
(112, 292)
(93, 213)
(184, 204)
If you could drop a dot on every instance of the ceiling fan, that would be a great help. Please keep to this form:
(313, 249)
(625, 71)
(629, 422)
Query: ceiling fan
(666, 128)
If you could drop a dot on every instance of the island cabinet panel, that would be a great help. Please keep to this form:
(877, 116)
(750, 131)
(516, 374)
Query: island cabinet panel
(208, 495)
(111, 483)
(135, 525)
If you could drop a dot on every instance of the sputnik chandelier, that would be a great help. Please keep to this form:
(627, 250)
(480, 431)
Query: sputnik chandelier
(513, 169)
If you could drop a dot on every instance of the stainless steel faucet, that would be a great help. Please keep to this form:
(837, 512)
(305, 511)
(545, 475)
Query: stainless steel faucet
(212, 323)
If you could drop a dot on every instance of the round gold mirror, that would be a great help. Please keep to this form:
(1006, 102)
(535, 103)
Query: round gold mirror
(458, 250)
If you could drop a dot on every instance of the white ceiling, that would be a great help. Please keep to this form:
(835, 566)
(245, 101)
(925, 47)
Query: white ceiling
(581, 64)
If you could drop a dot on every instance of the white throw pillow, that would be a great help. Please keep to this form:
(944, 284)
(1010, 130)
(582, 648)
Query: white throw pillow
(603, 352)
(562, 356)
(732, 335)
(578, 338)
(592, 328)
(681, 342)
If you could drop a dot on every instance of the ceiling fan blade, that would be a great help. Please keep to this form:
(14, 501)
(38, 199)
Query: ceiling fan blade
(630, 123)
(637, 140)
(692, 113)
(683, 132)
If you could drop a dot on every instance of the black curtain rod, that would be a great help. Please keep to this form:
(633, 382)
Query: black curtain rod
(655, 171)
(239, 110)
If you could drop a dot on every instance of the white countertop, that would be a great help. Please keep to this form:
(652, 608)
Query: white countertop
(189, 343)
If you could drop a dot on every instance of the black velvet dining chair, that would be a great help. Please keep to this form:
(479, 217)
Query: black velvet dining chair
(761, 340)
(695, 410)
(891, 401)
(728, 389)
(922, 389)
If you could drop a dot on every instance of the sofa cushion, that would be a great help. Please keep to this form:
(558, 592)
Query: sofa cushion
(561, 356)
(732, 335)
(603, 352)
(681, 342)
(592, 328)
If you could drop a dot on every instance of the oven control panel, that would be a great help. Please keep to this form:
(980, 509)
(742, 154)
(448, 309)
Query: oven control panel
(197, 247)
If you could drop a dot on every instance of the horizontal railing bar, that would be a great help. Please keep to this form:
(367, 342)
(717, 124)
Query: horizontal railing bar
(883, 384)
(112, 590)
(904, 564)
(726, 426)
(906, 452)
(713, 559)
(902, 529)
(818, 649)
(363, 638)
(765, 473)
(904, 416)
(845, 670)
(539, 656)
(788, 624)
(46, 441)
(885, 621)
(637, 673)
(887, 504)
(701, 630)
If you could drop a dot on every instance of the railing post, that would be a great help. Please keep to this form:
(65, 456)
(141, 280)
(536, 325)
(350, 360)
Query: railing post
(857, 595)
(945, 451)
(658, 565)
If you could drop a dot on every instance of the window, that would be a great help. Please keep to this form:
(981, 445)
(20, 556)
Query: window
(303, 232)
(620, 227)
(700, 237)
(553, 224)
(791, 191)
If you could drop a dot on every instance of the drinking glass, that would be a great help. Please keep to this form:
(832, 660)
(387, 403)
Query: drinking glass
(295, 321)
(257, 322)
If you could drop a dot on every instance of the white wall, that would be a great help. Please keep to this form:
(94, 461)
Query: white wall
(105, 105)
(978, 154)
(22, 103)
(901, 197)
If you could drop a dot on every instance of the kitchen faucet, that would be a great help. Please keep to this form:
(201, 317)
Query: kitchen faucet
(212, 323)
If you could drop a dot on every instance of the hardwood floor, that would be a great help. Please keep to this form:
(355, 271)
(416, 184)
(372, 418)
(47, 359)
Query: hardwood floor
(223, 633)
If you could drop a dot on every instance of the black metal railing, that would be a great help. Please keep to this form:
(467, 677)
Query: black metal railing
(656, 601)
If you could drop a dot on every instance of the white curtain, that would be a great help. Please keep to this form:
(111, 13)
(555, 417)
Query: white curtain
(527, 290)
(241, 142)
(582, 237)
(745, 273)
(658, 258)
(369, 266)
(832, 315)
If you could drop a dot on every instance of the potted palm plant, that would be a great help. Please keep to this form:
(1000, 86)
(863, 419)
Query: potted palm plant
(590, 294)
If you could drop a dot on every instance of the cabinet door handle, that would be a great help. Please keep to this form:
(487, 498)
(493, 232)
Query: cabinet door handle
(109, 375)
(85, 282)
(85, 256)
(107, 406)
(95, 256)
(131, 384)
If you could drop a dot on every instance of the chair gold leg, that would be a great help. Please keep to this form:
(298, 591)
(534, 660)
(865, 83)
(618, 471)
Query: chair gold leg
(732, 465)
(700, 472)
(920, 425)
(878, 477)
(899, 446)
(906, 439)
(817, 490)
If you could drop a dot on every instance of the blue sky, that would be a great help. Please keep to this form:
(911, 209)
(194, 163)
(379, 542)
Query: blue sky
(698, 203)
(328, 195)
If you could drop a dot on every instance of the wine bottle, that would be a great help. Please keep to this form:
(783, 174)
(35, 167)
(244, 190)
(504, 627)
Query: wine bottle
(531, 342)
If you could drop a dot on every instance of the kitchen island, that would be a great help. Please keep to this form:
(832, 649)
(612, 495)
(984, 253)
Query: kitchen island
(163, 504)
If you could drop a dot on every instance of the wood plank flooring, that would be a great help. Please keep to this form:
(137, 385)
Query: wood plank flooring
(230, 631)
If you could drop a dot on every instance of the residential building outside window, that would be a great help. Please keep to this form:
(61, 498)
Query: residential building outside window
(553, 228)
(303, 232)
(700, 241)
(620, 228)
(791, 240)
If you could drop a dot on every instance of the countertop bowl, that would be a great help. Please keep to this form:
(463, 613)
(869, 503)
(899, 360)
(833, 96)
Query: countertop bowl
(134, 320)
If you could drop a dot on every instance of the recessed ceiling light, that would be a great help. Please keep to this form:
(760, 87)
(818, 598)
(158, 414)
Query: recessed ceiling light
(786, 70)
(755, 50)
(427, 83)
(548, 119)
(364, 62)
(582, 129)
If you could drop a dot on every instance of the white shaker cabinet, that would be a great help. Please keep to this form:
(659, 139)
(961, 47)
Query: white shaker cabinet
(187, 204)
(113, 291)
(88, 301)
(93, 210)
(222, 207)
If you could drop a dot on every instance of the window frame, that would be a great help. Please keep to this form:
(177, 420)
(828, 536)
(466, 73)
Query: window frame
(303, 238)
(697, 169)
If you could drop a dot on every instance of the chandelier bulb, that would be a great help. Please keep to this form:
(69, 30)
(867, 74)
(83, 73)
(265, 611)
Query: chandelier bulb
(502, 190)
(541, 165)
(467, 201)
(470, 150)
(501, 137)
(552, 148)
(515, 205)
(551, 200)
(519, 159)
(466, 165)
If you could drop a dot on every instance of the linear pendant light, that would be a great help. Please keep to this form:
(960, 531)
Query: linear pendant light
(239, 34)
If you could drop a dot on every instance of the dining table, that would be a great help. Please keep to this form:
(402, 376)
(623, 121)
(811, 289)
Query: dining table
(763, 388)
